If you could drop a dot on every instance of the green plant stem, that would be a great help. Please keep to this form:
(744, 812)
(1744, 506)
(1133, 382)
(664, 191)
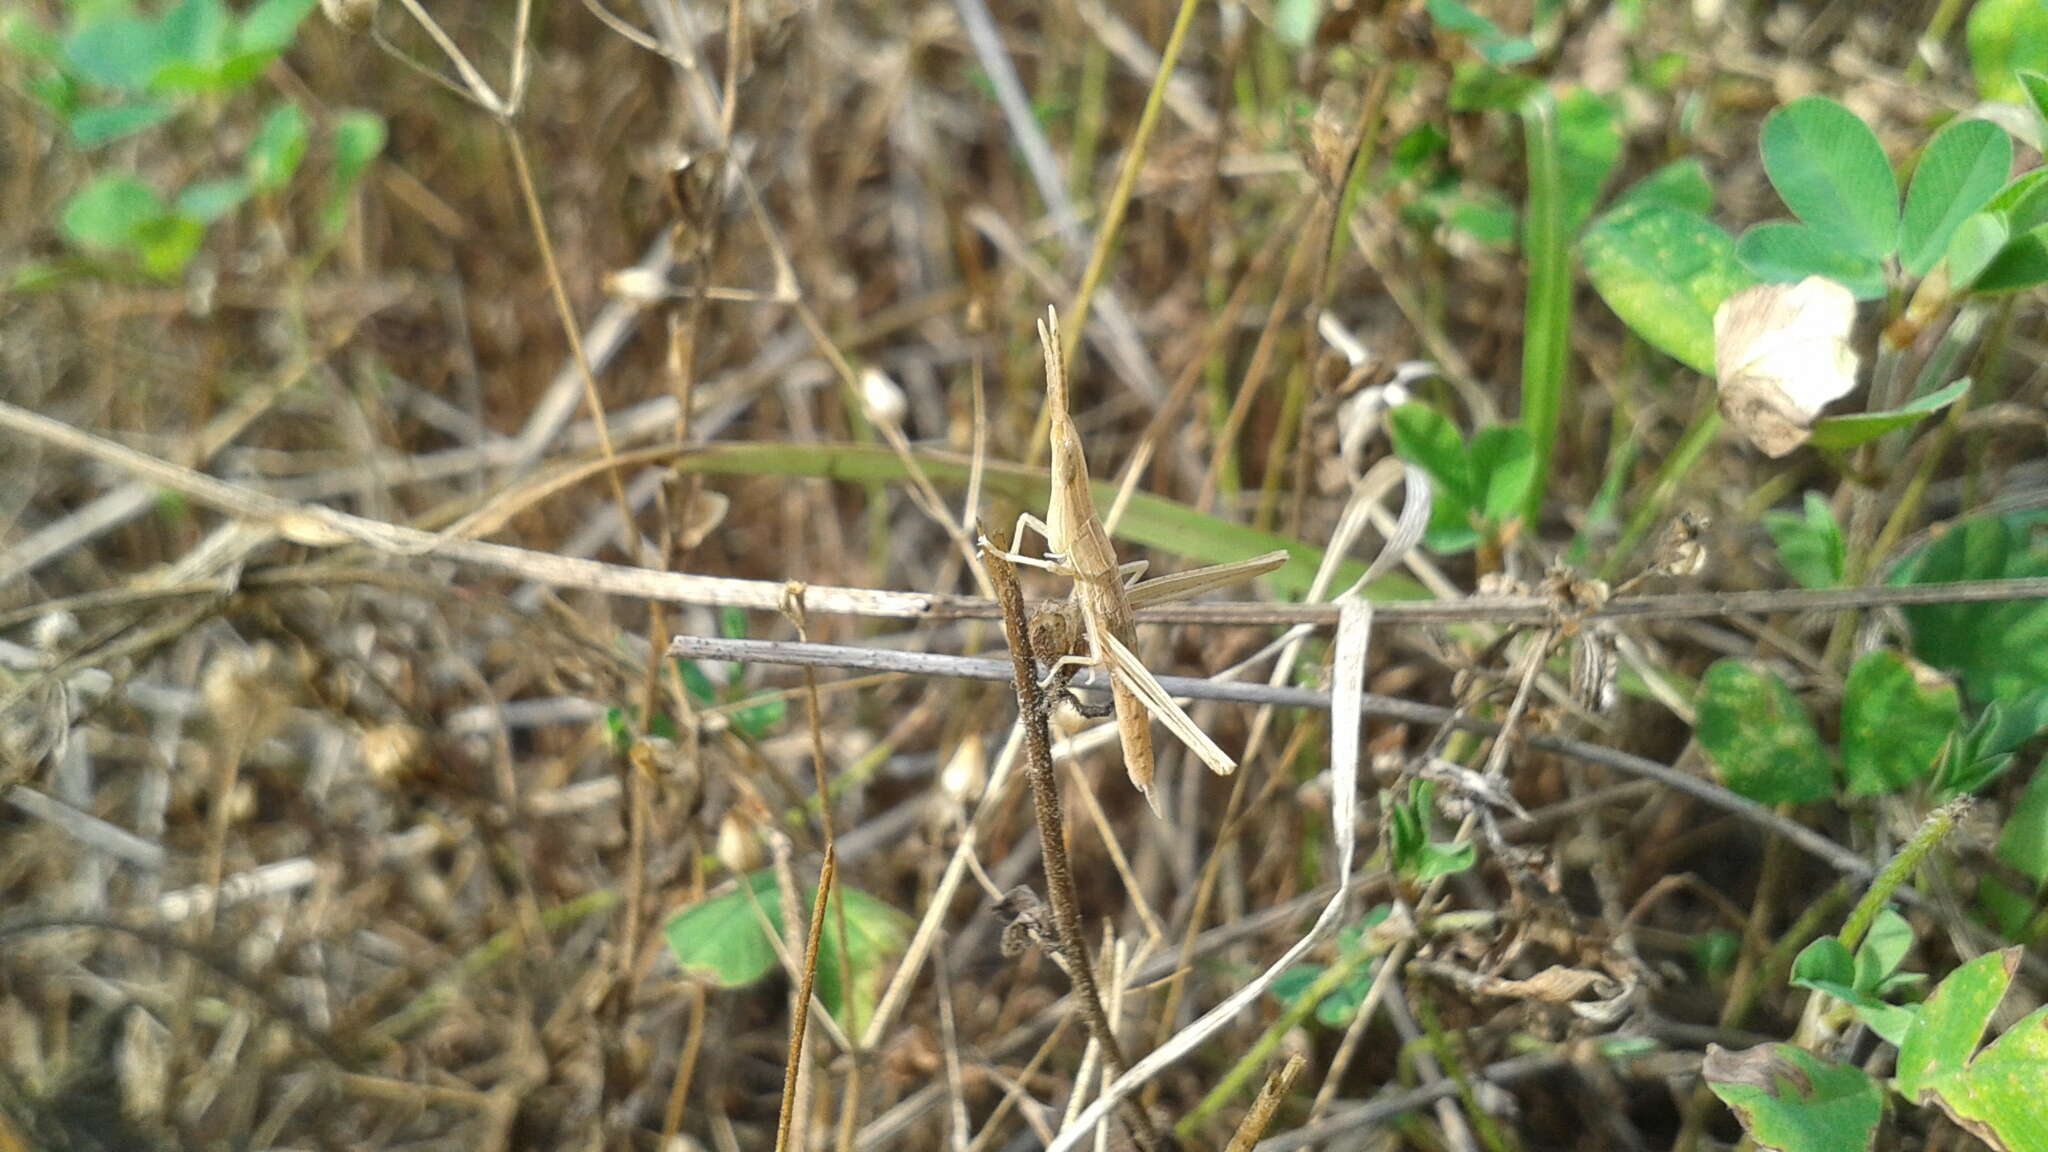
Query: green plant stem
(1126, 182)
(1933, 830)
(1863, 562)
(1938, 26)
(1683, 459)
(1546, 329)
(1089, 114)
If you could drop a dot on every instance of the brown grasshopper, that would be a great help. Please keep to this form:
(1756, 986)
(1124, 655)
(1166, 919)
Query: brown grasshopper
(1105, 593)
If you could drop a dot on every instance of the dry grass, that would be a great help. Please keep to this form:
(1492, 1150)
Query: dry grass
(317, 837)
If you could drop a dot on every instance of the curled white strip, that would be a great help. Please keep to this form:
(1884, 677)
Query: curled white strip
(1354, 630)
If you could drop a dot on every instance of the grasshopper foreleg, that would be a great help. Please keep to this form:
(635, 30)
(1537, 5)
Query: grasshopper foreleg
(1052, 562)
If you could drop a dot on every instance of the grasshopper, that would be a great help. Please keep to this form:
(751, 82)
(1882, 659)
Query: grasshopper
(1105, 593)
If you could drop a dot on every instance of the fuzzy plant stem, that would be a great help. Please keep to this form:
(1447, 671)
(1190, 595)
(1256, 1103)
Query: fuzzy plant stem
(1045, 796)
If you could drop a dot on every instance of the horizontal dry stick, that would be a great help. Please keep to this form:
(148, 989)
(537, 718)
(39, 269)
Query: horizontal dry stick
(1665, 606)
(317, 525)
(974, 668)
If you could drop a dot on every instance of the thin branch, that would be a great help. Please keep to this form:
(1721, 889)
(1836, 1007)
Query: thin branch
(1260, 1117)
(318, 525)
(794, 1069)
(924, 664)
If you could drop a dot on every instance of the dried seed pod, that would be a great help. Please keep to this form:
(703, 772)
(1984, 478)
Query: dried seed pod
(696, 185)
(739, 843)
(1682, 551)
(1596, 666)
(1027, 921)
(882, 398)
(1781, 354)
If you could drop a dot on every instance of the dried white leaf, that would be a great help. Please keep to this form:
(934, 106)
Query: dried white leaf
(883, 398)
(1781, 354)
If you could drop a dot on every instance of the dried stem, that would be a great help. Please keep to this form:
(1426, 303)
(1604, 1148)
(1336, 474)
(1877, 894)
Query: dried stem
(1260, 1117)
(1045, 797)
(797, 1019)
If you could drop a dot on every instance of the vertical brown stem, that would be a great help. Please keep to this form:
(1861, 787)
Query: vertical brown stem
(1045, 797)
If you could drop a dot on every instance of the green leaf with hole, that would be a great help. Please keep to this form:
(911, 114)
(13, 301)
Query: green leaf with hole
(1809, 543)
(279, 146)
(1664, 271)
(720, 940)
(1759, 737)
(1781, 252)
(1963, 167)
(1999, 649)
(1790, 1100)
(1844, 432)
(1832, 173)
(1998, 1094)
(1898, 716)
(2004, 37)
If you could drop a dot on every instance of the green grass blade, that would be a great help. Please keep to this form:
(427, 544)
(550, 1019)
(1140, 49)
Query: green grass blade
(1151, 521)
(1546, 330)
